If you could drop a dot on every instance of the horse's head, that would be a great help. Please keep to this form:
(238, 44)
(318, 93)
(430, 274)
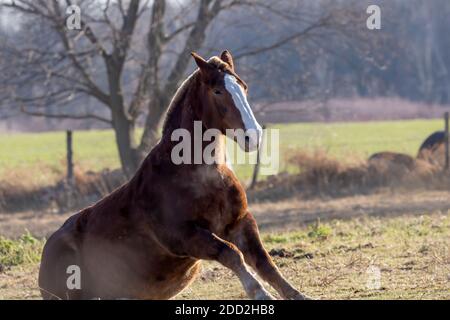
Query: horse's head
(224, 102)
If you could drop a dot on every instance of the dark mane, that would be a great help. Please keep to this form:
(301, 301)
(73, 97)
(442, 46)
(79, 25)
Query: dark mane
(174, 111)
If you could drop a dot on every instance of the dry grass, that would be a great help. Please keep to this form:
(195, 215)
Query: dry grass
(17, 193)
(381, 169)
(321, 175)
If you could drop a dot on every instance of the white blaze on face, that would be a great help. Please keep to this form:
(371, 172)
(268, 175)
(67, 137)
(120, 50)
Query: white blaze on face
(252, 128)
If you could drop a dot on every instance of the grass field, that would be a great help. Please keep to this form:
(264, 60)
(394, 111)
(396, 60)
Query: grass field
(41, 157)
(402, 257)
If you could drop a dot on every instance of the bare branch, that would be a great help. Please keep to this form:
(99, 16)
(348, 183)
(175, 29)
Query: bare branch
(176, 32)
(65, 116)
(303, 33)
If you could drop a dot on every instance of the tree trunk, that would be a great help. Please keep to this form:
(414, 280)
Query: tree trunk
(124, 131)
(152, 127)
(123, 124)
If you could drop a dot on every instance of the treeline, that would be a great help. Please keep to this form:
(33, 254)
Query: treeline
(336, 57)
(407, 58)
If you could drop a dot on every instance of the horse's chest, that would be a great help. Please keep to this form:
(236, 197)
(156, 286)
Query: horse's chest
(220, 202)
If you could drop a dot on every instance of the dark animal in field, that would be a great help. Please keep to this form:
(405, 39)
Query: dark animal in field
(434, 140)
(432, 149)
(146, 239)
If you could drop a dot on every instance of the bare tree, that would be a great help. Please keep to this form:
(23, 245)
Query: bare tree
(49, 66)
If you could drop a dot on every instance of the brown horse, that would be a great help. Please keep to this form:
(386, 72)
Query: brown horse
(146, 239)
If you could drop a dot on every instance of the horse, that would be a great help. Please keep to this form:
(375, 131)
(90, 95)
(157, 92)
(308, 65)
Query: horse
(146, 240)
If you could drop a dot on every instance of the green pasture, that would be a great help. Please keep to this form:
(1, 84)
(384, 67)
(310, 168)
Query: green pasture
(41, 156)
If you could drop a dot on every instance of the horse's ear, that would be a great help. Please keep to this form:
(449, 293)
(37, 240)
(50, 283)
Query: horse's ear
(203, 65)
(226, 57)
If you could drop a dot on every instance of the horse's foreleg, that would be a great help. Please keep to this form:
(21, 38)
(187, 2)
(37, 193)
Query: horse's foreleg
(202, 244)
(245, 235)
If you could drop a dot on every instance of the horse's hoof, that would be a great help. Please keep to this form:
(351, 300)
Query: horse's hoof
(263, 295)
(299, 296)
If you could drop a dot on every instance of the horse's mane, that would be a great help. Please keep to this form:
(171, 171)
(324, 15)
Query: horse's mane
(173, 111)
(172, 119)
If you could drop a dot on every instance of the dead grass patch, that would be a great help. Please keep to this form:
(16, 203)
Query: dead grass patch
(18, 193)
(323, 176)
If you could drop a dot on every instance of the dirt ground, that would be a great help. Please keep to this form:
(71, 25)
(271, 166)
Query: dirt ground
(271, 216)
(401, 239)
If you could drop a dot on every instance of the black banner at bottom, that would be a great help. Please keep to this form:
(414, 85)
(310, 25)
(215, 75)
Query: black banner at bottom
(214, 309)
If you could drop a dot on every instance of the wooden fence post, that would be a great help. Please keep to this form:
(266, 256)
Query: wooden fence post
(70, 179)
(447, 159)
(258, 160)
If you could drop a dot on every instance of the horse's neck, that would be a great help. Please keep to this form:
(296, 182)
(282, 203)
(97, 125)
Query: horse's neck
(182, 117)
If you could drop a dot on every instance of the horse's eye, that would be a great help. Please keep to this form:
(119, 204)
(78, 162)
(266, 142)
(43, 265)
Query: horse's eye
(217, 92)
(223, 110)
